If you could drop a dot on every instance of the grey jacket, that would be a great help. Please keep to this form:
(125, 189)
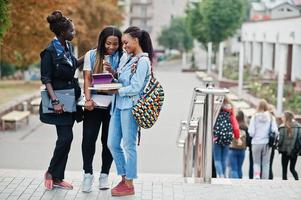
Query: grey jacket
(286, 142)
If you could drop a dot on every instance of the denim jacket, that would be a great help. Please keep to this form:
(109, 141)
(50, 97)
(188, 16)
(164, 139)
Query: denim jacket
(133, 84)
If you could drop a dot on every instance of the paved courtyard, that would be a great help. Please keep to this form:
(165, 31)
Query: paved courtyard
(21, 185)
(25, 154)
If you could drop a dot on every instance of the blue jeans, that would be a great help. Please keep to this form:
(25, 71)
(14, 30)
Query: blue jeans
(220, 154)
(123, 127)
(236, 157)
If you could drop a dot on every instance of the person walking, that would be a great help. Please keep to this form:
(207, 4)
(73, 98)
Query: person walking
(225, 127)
(109, 47)
(133, 76)
(289, 134)
(58, 66)
(238, 148)
(261, 123)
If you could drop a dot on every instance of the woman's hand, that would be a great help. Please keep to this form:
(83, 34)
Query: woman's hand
(239, 142)
(58, 108)
(107, 67)
(89, 105)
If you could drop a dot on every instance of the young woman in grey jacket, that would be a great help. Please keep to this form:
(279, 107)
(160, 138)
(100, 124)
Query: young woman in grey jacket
(290, 132)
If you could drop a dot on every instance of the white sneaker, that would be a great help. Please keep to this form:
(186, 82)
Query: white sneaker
(87, 182)
(103, 181)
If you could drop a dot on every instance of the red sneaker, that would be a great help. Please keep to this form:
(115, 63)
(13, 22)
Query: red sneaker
(48, 182)
(122, 189)
(62, 184)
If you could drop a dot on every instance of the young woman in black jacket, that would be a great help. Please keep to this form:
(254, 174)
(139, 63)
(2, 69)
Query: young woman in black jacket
(58, 66)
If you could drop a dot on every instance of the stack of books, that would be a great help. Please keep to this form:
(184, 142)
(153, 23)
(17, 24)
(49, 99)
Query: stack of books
(103, 81)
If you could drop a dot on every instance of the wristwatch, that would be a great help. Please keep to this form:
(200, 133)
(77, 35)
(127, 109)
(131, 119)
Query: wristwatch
(55, 102)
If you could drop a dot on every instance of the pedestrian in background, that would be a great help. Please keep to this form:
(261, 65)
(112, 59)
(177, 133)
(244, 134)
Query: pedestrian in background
(226, 126)
(238, 148)
(133, 76)
(259, 128)
(58, 66)
(271, 109)
(289, 135)
(110, 47)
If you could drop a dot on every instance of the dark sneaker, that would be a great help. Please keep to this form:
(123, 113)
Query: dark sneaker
(122, 189)
(48, 182)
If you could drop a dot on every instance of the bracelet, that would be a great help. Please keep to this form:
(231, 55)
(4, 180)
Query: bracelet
(55, 102)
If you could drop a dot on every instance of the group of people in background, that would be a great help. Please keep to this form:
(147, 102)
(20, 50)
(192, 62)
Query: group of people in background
(116, 53)
(232, 136)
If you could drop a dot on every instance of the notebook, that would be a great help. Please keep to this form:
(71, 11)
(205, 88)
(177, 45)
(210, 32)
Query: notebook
(66, 97)
(102, 78)
(101, 101)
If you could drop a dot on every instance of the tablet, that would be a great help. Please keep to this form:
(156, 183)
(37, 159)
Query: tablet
(102, 78)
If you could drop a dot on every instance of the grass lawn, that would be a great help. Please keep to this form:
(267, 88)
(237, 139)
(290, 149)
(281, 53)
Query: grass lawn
(11, 89)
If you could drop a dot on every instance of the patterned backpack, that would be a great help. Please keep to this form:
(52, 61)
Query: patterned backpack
(147, 109)
(223, 131)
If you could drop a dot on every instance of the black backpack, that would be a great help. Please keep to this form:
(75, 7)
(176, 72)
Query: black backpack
(223, 131)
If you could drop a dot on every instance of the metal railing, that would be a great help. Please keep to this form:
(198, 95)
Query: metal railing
(195, 135)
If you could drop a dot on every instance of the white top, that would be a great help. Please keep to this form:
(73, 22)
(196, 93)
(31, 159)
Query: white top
(87, 62)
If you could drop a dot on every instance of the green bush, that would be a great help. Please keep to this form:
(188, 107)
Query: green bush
(7, 69)
(292, 100)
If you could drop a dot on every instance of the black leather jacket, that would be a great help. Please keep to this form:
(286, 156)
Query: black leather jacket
(57, 71)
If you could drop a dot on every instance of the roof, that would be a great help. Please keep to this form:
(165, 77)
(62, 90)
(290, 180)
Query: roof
(297, 2)
(269, 5)
(258, 6)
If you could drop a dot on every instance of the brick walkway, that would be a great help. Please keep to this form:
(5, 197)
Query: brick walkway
(16, 184)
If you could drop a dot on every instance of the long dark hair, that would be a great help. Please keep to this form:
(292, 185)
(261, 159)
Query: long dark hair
(144, 40)
(288, 122)
(240, 117)
(101, 49)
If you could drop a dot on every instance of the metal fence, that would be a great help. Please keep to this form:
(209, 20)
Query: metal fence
(195, 135)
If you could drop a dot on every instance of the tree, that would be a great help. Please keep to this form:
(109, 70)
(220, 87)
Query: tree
(30, 33)
(4, 17)
(215, 20)
(176, 36)
(101, 13)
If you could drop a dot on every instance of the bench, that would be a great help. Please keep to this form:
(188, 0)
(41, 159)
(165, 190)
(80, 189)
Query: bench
(15, 117)
(35, 104)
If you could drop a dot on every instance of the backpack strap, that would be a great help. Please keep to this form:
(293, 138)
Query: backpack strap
(133, 70)
(139, 135)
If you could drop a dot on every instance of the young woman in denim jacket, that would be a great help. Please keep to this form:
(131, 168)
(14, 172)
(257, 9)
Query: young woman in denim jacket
(109, 44)
(123, 126)
(289, 133)
(58, 66)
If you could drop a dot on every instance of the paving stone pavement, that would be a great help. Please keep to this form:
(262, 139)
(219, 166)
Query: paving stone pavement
(28, 185)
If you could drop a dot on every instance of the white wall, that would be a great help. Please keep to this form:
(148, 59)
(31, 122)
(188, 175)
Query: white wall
(267, 33)
(256, 54)
(296, 64)
(288, 31)
(267, 61)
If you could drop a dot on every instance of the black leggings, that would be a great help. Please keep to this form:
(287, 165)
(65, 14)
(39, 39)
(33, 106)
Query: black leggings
(284, 161)
(91, 125)
(59, 159)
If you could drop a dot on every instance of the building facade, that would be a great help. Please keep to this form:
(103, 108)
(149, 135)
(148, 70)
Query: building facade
(152, 15)
(266, 42)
